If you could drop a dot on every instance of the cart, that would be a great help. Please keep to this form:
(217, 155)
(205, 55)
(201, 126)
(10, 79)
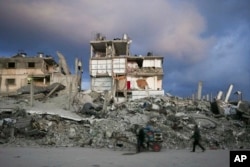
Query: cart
(153, 140)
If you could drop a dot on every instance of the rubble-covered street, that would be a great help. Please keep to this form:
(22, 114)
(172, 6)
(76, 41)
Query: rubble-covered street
(91, 121)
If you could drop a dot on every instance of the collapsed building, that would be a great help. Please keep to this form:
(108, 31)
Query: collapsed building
(133, 81)
(233, 108)
(18, 74)
(117, 129)
(125, 76)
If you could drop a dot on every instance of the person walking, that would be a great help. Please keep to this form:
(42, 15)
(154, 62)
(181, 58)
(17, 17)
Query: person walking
(196, 136)
(140, 140)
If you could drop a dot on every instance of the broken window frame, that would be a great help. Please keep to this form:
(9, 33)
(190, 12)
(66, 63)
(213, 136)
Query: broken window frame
(10, 81)
(31, 64)
(11, 65)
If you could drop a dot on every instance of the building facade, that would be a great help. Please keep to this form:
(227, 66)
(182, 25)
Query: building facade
(16, 71)
(114, 69)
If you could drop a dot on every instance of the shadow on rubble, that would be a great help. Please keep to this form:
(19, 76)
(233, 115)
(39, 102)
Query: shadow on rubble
(106, 124)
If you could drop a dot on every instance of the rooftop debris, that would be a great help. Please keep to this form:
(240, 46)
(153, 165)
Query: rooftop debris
(41, 89)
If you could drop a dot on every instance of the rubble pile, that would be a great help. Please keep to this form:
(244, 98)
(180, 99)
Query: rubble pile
(117, 125)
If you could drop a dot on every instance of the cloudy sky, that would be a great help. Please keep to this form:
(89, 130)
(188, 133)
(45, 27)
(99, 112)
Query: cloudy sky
(201, 40)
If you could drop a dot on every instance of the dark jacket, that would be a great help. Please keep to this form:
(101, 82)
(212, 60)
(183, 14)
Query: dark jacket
(196, 135)
(141, 134)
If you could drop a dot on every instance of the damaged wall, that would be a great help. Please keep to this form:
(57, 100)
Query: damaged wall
(111, 58)
(101, 67)
(15, 71)
(69, 81)
(153, 82)
(101, 83)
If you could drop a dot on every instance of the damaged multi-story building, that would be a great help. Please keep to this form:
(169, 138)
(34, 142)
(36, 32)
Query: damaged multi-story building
(17, 72)
(125, 76)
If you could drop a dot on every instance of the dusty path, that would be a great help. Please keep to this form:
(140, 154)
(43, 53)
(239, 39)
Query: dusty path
(87, 157)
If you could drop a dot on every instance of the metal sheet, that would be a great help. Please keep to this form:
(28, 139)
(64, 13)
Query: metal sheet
(119, 65)
(145, 93)
(152, 63)
(101, 84)
(100, 67)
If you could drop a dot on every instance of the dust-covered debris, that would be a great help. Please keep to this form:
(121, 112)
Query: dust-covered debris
(86, 124)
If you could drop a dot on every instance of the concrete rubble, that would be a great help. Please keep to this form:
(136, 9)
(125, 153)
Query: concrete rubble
(87, 124)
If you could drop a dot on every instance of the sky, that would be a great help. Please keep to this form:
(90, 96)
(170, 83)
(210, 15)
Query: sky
(200, 40)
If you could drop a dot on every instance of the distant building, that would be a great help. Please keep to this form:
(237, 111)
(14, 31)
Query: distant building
(44, 70)
(113, 69)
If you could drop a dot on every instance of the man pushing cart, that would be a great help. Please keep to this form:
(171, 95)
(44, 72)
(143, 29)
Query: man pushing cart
(149, 137)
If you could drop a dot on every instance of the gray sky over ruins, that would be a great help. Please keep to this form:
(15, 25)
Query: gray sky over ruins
(201, 40)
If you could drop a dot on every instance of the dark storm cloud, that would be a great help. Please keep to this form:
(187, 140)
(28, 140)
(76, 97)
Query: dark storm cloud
(224, 15)
(200, 39)
(30, 26)
(227, 60)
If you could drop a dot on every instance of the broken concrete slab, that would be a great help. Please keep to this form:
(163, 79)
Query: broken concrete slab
(54, 126)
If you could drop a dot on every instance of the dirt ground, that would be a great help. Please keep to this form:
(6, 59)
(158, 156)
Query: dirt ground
(88, 157)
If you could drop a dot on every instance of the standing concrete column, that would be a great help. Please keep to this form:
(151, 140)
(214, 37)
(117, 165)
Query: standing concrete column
(199, 90)
(229, 92)
(70, 94)
(44, 81)
(219, 95)
(31, 92)
(106, 100)
(207, 97)
(76, 66)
